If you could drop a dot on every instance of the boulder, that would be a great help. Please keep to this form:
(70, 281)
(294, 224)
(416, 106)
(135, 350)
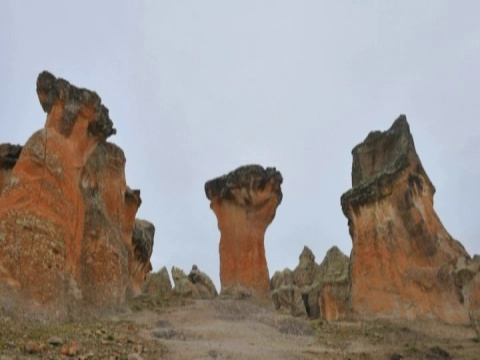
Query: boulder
(403, 259)
(67, 215)
(244, 202)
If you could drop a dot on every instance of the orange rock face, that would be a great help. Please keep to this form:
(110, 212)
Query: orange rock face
(244, 202)
(65, 217)
(402, 260)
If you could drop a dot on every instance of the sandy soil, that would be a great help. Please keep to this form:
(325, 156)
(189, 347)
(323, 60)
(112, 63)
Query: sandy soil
(230, 329)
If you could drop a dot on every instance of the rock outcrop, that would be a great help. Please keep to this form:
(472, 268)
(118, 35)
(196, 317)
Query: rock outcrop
(319, 291)
(244, 202)
(66, 214)
(203, 283)
(196, 285)
(403, 260)
(158, 284)
(286, 296)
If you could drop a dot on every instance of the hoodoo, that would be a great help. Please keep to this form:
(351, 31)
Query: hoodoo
(245, 202)
(66, 214)
(403, 260)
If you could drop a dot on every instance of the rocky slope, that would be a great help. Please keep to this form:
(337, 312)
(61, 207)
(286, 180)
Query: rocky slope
(66, 214)
(245, 202)
(403, 259)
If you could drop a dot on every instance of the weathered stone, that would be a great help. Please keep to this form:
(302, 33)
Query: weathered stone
(244, 202)
(203, 283)
(142, 242)
(66, 219)
(402, 261)
(286, 296)
(306, 271)
(9, 155)
(326, 297)
(182, 285)
(158, 283)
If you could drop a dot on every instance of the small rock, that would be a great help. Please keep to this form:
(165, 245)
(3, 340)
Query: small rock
(55, 341)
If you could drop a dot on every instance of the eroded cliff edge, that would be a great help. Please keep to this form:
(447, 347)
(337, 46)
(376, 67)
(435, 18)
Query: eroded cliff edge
(404, 263)
(67, 215)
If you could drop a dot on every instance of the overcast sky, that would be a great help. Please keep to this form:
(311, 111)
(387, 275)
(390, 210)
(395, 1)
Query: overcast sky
(198, 88)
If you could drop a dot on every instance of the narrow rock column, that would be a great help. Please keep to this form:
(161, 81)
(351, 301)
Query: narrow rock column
(244, 202)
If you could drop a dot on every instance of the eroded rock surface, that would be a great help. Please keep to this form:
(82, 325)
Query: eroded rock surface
(9, 155)
(403, 259)
(319, 291)
(244, 202)
(158, 283)
(65, 219)
(196, 285)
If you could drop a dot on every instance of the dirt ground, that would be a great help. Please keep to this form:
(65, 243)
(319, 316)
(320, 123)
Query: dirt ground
(229, 329)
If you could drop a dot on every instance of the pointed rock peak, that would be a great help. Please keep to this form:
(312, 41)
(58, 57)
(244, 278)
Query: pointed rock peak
(381, 159)
(306, 255)
(335, 252)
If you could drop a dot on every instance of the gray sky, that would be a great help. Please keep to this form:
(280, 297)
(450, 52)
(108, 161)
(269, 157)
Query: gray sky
(198, 88)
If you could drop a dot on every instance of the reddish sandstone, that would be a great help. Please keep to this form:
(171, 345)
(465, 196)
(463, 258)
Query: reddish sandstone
(244, 202)
(67, 215)
(402, 257)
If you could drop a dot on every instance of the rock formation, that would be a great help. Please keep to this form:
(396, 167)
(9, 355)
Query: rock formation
(244, 202)
(196, 285)
(66, 214)
(9, 155)
(403, 260)
(319, 291)
(333, 291)
(142, 246)
(286, 296)
(203, 283)
(158, 283)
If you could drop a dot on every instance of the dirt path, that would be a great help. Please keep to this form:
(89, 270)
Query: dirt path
(240, 329)
(228, 329)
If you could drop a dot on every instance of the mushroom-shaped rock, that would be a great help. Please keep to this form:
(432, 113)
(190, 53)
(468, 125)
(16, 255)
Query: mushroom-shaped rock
(244, 202)
(402, 257)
